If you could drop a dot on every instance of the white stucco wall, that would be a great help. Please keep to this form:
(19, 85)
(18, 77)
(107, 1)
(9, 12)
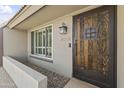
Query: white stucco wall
(62, 53)
(120, 46)
(1, 45)
(15, 44)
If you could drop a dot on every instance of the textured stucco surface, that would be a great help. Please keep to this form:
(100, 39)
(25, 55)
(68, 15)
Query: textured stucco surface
(23, 76)
(1, 45)
(120, 46)
(15, 44)
(62, 53)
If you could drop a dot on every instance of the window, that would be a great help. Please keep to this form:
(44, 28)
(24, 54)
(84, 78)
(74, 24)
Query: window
(41, 42)
(90, 33)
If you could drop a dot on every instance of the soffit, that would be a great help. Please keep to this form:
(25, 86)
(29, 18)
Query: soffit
(26, 12)
(46, 14)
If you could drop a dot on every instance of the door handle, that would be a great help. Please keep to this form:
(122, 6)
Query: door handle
(76, 48)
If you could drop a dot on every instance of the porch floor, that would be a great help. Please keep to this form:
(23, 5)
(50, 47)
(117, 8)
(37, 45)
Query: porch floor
(5, 79)
(76, 83)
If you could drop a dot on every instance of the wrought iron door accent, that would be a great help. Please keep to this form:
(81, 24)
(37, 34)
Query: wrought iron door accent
(92, 45)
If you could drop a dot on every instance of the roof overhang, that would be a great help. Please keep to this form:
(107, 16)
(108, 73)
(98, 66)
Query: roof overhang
(24, 13)
(32, 16)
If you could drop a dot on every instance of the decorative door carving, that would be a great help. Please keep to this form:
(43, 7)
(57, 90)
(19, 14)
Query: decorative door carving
(93, 36)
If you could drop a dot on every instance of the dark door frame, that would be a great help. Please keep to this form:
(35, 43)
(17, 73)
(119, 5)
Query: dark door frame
(113, 42)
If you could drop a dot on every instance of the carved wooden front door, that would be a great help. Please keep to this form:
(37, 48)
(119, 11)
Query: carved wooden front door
(94, 46)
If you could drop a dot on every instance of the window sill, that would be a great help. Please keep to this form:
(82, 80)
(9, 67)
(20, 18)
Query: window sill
(42, 58)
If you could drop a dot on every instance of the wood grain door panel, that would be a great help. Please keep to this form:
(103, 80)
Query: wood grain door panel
(94, 39)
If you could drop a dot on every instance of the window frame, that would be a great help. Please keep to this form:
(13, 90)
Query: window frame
(39, 30)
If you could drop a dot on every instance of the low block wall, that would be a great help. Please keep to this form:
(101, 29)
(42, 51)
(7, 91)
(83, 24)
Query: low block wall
(23, 76)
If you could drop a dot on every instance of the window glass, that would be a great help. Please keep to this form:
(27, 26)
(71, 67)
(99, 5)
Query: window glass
(41, 42)
(90, 33)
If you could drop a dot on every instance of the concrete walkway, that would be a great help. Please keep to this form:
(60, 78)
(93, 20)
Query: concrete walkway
(5, 80)
(76, 83)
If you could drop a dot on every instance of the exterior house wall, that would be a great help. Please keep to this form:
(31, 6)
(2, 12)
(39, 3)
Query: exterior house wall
(120, 46)
(1, 45)
(15, 44)
(62, 53)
